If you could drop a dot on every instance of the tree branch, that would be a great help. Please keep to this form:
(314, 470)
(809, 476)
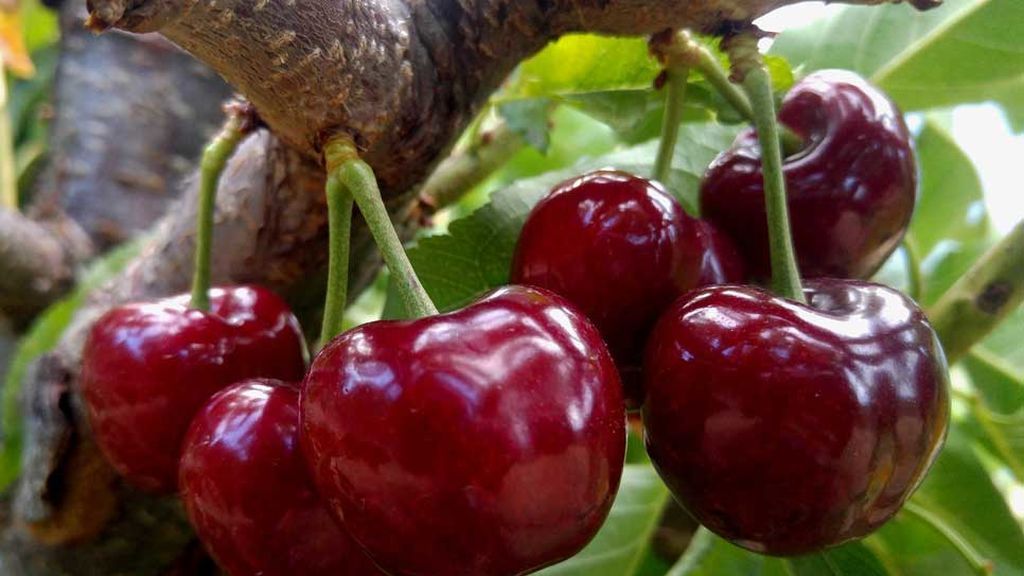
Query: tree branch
(989, 292)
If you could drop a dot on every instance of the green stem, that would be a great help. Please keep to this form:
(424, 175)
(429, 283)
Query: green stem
(339, 217)
(915, 278)
(8, 173)
(977, 562)
(675, 98)
(709, 66)
(983, 297)
(215, 158)
(358, 178)
(758, 85)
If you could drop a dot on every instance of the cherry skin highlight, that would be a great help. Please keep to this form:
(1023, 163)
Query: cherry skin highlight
(147, 368)
(488, 441)
(789, 428)
(622, 250)
(247, 492)
(851, 191)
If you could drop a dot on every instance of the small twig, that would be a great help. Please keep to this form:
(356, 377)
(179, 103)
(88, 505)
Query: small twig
(983, 297)
(488, 150)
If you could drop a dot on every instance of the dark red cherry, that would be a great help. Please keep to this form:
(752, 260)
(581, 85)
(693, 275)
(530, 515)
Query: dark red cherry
(247, 492)
(147, 369)
(486, 441)
(622, 250)
(851, 190)
(789, 428)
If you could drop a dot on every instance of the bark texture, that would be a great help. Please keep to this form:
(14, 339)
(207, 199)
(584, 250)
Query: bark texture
(403, 77)
(131, 115)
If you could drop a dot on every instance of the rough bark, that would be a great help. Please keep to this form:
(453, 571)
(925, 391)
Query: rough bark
(131, 115)
(403, 77)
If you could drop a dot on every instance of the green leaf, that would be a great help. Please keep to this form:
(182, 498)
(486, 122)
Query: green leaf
(959, 492)
(584, 63)
(951, 205)
(710, 555)
(42, 337)
(531, 119)
(475, 255)
(964, 51)
(620, 546)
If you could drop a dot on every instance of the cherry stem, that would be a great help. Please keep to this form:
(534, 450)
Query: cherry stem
(339, 218)
(977, 562)
(687, 49)
(915, 277)
(675, 99)
(757, 82)
(8, 172)
(982, 298)
(215, 158)
(358, 178)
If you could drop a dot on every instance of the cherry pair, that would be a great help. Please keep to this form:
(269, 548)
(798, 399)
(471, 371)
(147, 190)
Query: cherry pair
(500, 427)
(784, 427)
(148, 374)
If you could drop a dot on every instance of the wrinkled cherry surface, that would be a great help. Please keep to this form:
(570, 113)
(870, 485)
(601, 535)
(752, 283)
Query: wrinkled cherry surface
(486, 441)
(148, 368)
(788, 428)
(247, 492)
(851, 190)
(621, 249)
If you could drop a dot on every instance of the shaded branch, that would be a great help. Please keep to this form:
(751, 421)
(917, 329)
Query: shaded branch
(37, 262)
(983, 298)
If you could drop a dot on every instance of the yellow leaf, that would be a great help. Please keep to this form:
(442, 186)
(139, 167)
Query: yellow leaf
(13, 54)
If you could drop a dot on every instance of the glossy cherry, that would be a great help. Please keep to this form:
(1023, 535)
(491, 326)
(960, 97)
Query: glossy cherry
(147, 369)
(622, 250)
(247, 492)
(851, 190)
(485, 441)
(787, 428)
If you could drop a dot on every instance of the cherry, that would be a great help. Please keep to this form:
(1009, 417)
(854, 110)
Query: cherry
(851, 190)
(622, 250)
(490, 440)
(147, 368)
(247, 492)
(787, 428)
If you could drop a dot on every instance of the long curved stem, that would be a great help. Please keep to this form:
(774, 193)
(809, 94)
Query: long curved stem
(215, 158)
(915, 278)
(758, 85)
(978, 563)
(359, 179)
(339, 217)
(675, 99)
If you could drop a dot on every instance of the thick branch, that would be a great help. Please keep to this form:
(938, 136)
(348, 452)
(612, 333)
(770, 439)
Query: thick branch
(37, 262)
(132, 113)
(402, 77)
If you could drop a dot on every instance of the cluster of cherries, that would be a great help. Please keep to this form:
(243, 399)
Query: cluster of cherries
(491, 440)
